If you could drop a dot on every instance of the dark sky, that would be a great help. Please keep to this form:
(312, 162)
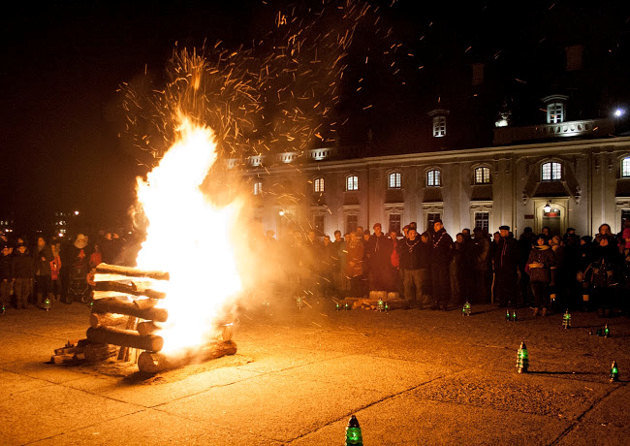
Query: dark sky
(63, 62)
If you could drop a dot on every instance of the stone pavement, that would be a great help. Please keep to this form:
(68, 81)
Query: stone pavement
(411, 377)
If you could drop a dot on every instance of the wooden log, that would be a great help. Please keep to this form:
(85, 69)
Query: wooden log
(144, 309)
(123, 354)
(152, 362)
(124, 338)
(149, 327)
(97, 295)
(99, 352)
(131, 289)
(131, 272)
(106, 319)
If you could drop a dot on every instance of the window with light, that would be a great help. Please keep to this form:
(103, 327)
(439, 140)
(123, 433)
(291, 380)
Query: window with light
(482, 175)
(551, 172)
(258, 188)
(433, 178)
(352, 182)
(395, 180)
(318, 185)
(555, 113)
(439, 126)
(625, 167)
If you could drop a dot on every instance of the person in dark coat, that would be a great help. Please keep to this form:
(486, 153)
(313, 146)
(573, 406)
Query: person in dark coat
(441, 255)
(413, 254)
(461, 270)
(42, 259)
(481, 265)
(22, 273)
(5, 275)
(505, 266)
(539, 265)
(379, 251)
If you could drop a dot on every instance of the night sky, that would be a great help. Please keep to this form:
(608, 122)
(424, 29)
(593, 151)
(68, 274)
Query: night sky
(61, 115)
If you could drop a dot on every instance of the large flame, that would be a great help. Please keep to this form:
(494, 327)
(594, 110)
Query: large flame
(188, 237)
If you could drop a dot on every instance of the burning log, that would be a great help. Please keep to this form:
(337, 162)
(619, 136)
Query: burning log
(128, 289)
(152, 362)
(143, 309)
(125, 338)
(149, 327)
(106, 319)
(131, 272)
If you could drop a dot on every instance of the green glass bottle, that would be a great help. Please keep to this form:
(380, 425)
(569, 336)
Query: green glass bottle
(522, 359)
(606, 331)
(508, 316)
(380, 306)
(337, 306)
(566, 320)
(614, 372)
(514, 316)
(346, 306)
(3, 309)
(47, 304)
(353, 433)
(386, 308)
(466, 309)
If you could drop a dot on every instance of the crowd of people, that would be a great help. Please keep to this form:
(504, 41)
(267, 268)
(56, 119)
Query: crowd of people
(52, 270)
(545, 272)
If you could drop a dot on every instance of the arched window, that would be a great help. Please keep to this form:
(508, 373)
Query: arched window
(482, 175)
(551, 172)
(434, 178)
(258, 188)
(395, 180)
(555, 113)
(625, 167)
(352, 182)
(318, 185)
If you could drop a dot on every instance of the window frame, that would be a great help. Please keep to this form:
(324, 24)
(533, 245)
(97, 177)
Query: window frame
(555, 113)
(439, 126)
(487, 220)
(355, 186)
(552, 171)
(436, 181)
(397, 176)
(625, 167)
(319, 185)
(484, 179)
(258, 188)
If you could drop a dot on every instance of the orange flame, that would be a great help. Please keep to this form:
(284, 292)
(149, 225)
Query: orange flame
(190, 238)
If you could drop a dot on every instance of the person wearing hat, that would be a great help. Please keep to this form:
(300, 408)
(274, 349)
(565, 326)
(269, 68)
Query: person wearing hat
(22, 272)
(506, 258)
(441, 256)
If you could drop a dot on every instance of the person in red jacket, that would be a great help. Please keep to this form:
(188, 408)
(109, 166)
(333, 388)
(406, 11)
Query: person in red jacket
(55, 268)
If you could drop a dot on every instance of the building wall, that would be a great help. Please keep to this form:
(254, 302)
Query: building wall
(587, 196)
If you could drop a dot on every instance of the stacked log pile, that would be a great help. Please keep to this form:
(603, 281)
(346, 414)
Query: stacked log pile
(126, 314)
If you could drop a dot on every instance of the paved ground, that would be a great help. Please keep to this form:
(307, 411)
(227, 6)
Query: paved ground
(411, 377)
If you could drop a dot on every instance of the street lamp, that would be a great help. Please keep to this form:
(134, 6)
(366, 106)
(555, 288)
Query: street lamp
(619, 112)
(547, 208)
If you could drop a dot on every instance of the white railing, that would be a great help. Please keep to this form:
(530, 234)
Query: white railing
(506, 135)
(320, 154)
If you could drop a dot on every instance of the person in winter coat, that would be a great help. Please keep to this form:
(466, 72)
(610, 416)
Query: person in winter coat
(354, 265)
(441, 256)
(461, 269)
(42, 259)
(505, 267)
(5, 275)
(55, 272)
(22, 272)
(539, 264)
(481, 265)
(413, 253)
(379, 248)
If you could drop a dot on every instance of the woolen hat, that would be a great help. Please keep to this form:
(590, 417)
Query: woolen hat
(504, 227)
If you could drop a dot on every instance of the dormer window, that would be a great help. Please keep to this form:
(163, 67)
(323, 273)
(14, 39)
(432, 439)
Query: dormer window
(255, 160)
(555, 113)
(318, 185)
(433, 178)
(439, 126)
(551, 172)
(625, 167)
(395, 180)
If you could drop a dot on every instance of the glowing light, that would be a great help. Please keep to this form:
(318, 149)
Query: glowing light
(201, 263)
(619, 112)
(547, 208)
(76, 212)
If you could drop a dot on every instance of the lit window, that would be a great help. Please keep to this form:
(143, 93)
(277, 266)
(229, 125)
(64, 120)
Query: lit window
(439, 126)
(258, 188)
(395, 180)
(433, 178)
(482, 220)
(551, 172)
(482, 175)
(352, 182)
(625, 167)
(318, 185)
(555, 113)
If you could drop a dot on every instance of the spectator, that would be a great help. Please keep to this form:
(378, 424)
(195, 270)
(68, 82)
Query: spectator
(410, 252)
(481, 265)
(379, 247)
(525, 244)
(354, 265)
(5, 275)
(395, 261)
(460, 270)
(339, 261)
(43, 257)
(55, 270)
(505, 267)
(539, 264)
(441, 255)
(22, 273)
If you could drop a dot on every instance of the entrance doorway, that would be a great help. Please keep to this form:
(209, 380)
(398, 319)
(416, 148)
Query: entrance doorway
(552, 219)
(551, 212)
